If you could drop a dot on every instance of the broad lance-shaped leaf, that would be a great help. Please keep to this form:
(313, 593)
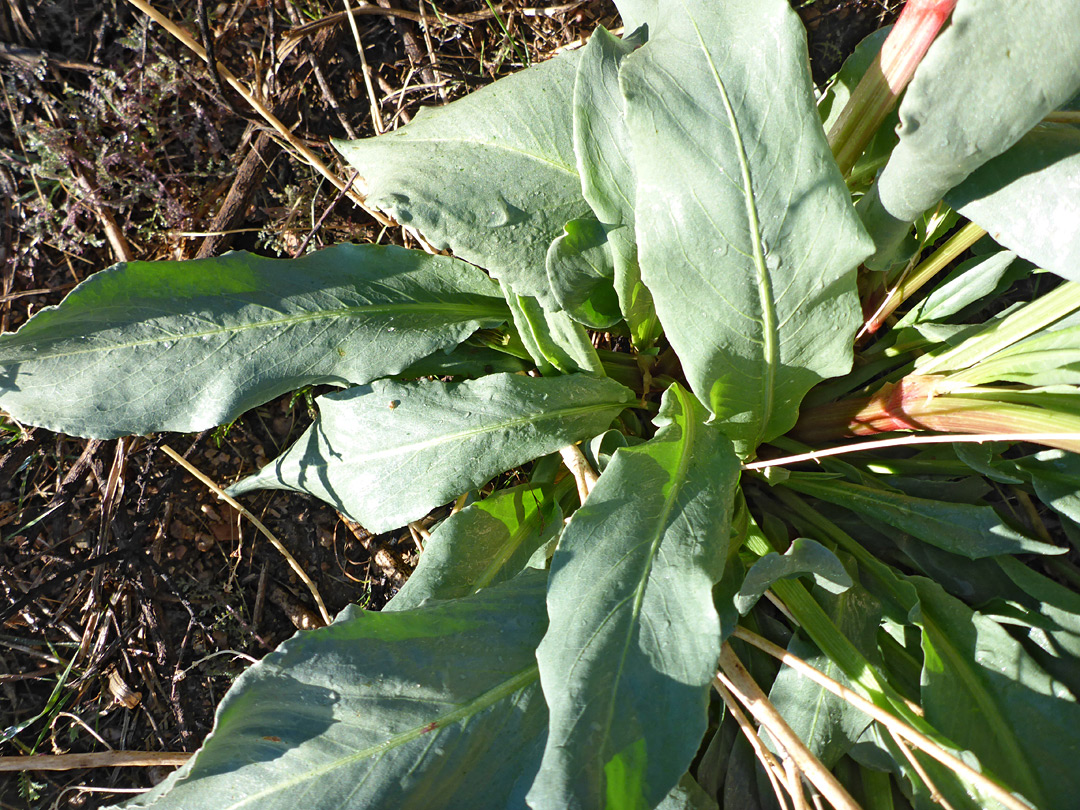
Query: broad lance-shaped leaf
(982, 690)
(971, 531)
(602, 146)
(437, 707)
(634, 636)
(490, 176)
(486, 542)
(827, 724)
(184, 346)
(991, 75)
(746, 233)
(388, 453)
(1027, 199)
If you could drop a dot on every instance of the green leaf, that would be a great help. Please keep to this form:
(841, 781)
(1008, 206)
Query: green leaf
(843, 84)
(1026, 198)
(989, 77)
(1000, 333)
(1055, 475)
(388, 453)
(151, 346)
(969, 282)
(465, 361)
(485, 543)
(579, 272)
(804, 556)
(555, 341)
(827, 724)
(634, 635)
(1054, 620)
(602, 146)
(982, 690)
(1048, 358)
(971, 531)
(687, 795)
(436, 707)
(746, 233)
(491, 176)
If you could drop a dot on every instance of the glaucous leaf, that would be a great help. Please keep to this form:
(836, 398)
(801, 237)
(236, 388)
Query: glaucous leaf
(989, 77)
(965, 529)
(436, 707)
(486, 542)
(491, 176)
(184, 346)
(579, 272)
(555, 341)
(687, 795)
(983, 691)
(634, 636)
(388, 453)
(602, 146)
(746, 234)
(1027, 197)
(970, 281)
(804, 556)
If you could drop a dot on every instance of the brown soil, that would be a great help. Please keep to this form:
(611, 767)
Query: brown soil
(115, 140)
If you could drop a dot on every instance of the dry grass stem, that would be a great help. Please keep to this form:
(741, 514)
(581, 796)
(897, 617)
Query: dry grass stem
(300, 572)
(903, 441)
(905, 749)
(376, 116)
(106, 759)
(764, 755)
(891, 722)
(736, 678)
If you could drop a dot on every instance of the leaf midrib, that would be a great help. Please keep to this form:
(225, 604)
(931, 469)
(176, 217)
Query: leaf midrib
(770, 349)
(1002, 729)
(475, 706)
(444, 438)
(687, 440)
(495, 309)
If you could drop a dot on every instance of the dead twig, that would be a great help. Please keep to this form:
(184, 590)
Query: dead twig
(738, 681)
(106, 759)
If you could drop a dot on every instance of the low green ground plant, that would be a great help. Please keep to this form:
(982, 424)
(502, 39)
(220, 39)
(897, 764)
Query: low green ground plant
(773, 270)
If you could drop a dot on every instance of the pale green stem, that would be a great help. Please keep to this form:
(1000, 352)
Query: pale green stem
(917, 278)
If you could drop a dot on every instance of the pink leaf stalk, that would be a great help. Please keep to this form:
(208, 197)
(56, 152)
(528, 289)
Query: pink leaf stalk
(886, 78)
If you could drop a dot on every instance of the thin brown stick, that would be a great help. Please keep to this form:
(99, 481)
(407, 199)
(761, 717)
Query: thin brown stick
(736, 678)
(106, 759)
(373, 103)
(891, 722)
(764, 755)
(905, 749)
(333, 204)
(794, 783)
(903, 441)
(300, 572)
